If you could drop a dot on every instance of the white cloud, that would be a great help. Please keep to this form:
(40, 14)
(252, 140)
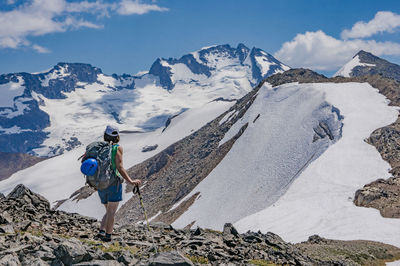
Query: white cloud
(97, 7)
(384, 21)
(319, 51)
(130, 7)
(41, 17)
(40, 49)
(80, 23)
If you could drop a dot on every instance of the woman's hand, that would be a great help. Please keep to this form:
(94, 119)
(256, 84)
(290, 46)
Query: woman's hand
(136, 182)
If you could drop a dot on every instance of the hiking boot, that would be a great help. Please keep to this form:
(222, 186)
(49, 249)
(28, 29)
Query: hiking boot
(106, 238)
(101, 234)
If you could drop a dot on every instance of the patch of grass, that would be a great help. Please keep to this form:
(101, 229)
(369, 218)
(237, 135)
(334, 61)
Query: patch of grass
(166, 248)
(64, 236)
(115, 247)
(91, 242)
(213, 231)
(262, 263)
(37, 233)
(197, 259)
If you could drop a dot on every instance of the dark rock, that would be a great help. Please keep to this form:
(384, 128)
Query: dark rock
(71, 251)
(315, 239)
(100, 263)
(22, 192)
(127, 260)
(32, 261)
(7, 228)
(149, 148)
(45, 256)
(10, 260)
(230, 230)
(169, 258)
(252, 238)
(197, 232)
(5, 218)
(108, 256)
(57, 262)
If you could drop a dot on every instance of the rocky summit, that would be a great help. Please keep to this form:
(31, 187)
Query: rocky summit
(33, 234)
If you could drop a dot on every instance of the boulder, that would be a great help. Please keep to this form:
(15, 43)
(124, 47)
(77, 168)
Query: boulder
(169, 258)
(5, 218)
(10, 260)
(230, 230)
(100, 263)
(71, 252)
(7, 229)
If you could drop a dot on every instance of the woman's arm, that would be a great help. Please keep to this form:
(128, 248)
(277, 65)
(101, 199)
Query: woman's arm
(121, 169)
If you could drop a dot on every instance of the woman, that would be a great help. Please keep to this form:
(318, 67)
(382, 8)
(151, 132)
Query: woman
(112, 195)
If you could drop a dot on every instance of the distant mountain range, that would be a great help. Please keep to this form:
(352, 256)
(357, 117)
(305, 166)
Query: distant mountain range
(54, 111)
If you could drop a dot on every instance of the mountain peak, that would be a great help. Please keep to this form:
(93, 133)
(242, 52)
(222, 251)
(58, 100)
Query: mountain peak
(209, 60)
(367, 57)
(365, 63)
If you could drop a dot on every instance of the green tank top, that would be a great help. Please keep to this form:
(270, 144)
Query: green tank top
(114, 151)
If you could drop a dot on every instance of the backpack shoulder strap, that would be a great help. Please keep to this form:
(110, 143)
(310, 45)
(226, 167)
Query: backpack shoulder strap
(113, 156)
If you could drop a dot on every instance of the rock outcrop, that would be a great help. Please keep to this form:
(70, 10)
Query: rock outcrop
(33, 234)
(13, 162)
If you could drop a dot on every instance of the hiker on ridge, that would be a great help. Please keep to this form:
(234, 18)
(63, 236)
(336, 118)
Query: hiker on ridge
(112, 195)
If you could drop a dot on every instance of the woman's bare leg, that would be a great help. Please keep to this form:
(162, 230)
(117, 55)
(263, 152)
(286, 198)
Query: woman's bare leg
(103, 221)
(110, 214)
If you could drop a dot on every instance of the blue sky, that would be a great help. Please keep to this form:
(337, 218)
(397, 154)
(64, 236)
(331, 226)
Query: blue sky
(126, 36)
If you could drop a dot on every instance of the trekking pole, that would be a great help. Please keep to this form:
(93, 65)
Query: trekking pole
(137, 190)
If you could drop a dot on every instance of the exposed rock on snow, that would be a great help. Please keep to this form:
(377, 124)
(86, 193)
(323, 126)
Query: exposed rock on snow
(149, 148)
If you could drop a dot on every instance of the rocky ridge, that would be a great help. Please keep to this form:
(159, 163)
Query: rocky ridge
(31, 233)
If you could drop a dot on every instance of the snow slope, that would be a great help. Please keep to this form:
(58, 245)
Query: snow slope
(346, 70)
(267, 157)
(58, 177)
(320, 200)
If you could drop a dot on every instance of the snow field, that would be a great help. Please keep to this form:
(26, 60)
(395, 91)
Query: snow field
(320, 200)
(9, 91)
(58, 177)
(265, 159)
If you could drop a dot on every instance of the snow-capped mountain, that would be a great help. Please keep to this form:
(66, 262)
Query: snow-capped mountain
(364, 63)
(50, 112)
(287, 157)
